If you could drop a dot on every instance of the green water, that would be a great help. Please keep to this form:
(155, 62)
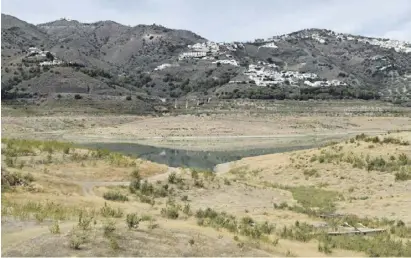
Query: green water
(187, 158)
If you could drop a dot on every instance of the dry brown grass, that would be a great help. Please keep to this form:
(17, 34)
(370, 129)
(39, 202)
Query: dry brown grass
(377, 193)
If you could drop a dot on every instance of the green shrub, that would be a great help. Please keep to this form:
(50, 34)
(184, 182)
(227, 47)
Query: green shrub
(108, 228)
(13, 179)
(115, 196)
(147, 199)
(402, 175)
(170, 212)
(310, 172)
(134, 186)
(199, 183)
(107, 211)
(77, 238)
(132, 220)
(187, 209)
(84, 221)
(114, 243)
(146, 188)
(54, 228)
(172, 178)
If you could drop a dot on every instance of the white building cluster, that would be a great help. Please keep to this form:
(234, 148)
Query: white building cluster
(268, 76)
(228, 62)
(55, 62)
(209, 50)
(36, 55)
(208, 46)
(190, 55)
(269, 45)
(399, 46)
(164, 66)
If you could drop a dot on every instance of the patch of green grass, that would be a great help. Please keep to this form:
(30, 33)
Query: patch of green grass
(25, 147)
(382, 245)
(41, 210)
(384, 140)
(311, 197)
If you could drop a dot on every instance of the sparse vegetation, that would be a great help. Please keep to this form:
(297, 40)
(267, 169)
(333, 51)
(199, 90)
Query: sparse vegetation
(171, 212)
(115, 196)
(55, 227)
(107, 211)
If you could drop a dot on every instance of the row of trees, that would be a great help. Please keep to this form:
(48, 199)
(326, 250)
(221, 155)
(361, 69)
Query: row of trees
(302, 94)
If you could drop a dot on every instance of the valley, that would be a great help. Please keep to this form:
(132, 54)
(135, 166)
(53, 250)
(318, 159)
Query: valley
(143, 140)
(208, 181)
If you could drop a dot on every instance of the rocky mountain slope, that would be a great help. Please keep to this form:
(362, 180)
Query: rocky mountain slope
(66, 59)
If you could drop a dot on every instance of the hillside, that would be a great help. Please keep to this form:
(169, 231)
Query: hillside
(150, 62)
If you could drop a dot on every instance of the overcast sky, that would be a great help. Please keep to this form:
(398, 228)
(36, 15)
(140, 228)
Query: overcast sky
(230, 20)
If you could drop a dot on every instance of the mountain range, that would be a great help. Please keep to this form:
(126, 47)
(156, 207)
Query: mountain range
(148, 65)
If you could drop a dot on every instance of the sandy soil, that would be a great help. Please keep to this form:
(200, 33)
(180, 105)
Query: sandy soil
(214, 132)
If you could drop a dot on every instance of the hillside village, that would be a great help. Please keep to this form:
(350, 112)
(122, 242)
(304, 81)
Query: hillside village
(163, 63)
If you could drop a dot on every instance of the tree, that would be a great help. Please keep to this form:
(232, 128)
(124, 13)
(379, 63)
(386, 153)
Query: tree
(49, 56)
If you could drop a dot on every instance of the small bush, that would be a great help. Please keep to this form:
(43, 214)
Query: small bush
(107, 211)
(114, 244)
(187, 209)
(132, 220)
(108, 228)
(78, 96)
(199, 183)
(146, 218)
(84, 221)
(77, 238)
(227, 182)
(170, 212)
(147, 199)
(172, 178)
(55, 228)
(14, 179)
(115, 196)
(402, 176)
(310, 172)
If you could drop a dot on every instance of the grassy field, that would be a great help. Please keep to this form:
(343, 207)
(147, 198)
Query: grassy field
(58, 200)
